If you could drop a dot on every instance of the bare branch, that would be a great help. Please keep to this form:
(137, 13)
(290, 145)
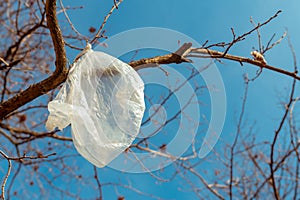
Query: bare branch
(98, 183)
(177, 57)
(64, 10)
(6, 176)
(208, 186)
(204, 53)
(258, 35)
(242, 37)
(2, 60)
(272, 161)
(270, 46)
(238, 131)
(100, 32)
(33, 135)
(59, 75)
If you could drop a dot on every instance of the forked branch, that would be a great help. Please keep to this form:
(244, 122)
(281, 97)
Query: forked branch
(59, 75)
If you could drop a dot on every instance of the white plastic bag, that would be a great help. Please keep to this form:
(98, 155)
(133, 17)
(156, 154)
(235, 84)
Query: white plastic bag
(103, 100)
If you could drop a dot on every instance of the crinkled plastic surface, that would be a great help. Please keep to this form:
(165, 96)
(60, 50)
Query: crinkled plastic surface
(103, 100)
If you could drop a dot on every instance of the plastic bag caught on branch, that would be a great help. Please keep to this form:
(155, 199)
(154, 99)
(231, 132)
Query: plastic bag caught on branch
(103, 100)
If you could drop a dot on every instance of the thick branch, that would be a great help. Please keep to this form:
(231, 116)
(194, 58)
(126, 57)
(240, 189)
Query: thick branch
(59, 75)
(177, 57)
(154, 61)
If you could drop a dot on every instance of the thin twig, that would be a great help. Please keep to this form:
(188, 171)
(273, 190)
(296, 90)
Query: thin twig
(19, 159)
(258, 35)
(277, 166)
(69, 21)
(272, 159)
(2, 60)
(206, 53)
(208, 186)
(100, 32)
(270, 46)
(293, 53)
(237, 134)
(13, 178)
(291, 121)
(98, 182)
(33, 135)
(116, 4)
(287, 109)
(6, 176)
(242, 37)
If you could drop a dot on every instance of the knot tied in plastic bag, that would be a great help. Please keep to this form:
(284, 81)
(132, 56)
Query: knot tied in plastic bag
(103, 100)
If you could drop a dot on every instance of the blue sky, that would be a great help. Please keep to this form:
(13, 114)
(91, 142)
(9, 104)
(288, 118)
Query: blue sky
(200, 20)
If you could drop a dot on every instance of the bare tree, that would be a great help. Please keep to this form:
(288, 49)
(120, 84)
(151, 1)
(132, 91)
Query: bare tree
(33, 66)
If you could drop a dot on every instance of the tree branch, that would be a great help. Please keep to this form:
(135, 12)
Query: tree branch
(240, 59)
(205, 53)
(59, 75)
(177, 57)
(6, 176)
